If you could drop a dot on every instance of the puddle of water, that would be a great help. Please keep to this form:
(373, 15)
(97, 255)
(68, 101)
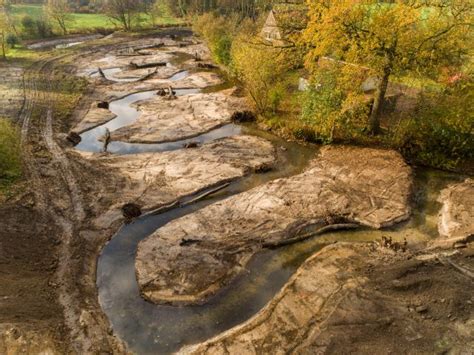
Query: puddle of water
(110, 75)
(126, 115)
(123, 148)
(180, 75)
(67, 45)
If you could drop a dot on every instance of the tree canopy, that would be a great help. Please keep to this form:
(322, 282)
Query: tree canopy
(394, 37)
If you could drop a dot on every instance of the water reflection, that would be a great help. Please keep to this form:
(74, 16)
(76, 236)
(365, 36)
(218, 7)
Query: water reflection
(126, 115)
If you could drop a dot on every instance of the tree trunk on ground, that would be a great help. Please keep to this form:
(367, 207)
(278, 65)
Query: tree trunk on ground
(374, 119)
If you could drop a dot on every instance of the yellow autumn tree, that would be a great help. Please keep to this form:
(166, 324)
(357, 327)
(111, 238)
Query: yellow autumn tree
(260, 69)
(396, 37)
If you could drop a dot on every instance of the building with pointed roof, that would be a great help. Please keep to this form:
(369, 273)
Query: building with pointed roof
(284, 23)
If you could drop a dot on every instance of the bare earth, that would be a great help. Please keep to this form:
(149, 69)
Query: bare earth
(456, 219)
(361, 299)
(163, 120)
(349, 298)
(152, 180)
(372, 190)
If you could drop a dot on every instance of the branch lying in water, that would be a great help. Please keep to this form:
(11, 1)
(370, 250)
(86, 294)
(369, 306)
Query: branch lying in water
(205, 194)
(299, 238)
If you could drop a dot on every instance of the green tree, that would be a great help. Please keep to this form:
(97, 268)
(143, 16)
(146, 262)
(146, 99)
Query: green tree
(12, 40)
(124, 12)
(219, 33)
(260, 68)
(396, 37)
(60, 12)
(440, 130)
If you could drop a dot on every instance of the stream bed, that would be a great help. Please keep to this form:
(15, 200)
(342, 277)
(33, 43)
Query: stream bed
(150, 329)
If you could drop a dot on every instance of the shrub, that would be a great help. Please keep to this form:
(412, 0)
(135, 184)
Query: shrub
(261, 70)
(12, 40)
(440, 131)
(306, 134)
(219, 32)
(10, 151)
(334, 112)
(29, 26)
(43, 28)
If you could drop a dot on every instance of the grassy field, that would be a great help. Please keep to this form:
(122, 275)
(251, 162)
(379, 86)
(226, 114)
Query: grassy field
(86, 22)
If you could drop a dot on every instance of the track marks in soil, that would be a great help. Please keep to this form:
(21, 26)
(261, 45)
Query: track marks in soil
(34, 119)
(66, 172)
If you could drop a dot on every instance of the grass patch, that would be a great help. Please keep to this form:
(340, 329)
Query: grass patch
(10, 154)
(81, 23)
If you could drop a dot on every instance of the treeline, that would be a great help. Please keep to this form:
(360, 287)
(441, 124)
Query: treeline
(246, 8)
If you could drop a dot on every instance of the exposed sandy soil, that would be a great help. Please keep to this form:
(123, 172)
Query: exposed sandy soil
(362, 299)
(51, 302)
(153, 180)
(164, 120)
(456, 219)
(335, 190)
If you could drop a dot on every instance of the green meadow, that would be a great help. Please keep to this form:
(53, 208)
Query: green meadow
(87, 22)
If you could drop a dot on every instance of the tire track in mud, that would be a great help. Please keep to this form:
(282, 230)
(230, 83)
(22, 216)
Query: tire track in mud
(31, 97)
(68, 177)
(36, 101)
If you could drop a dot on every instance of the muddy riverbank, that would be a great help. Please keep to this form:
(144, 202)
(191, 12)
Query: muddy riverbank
(373, 191)
(366, 298)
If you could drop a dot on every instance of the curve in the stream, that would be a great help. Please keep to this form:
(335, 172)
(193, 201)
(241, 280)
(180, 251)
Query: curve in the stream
(148, 328)
(126, 115)
(159, 329)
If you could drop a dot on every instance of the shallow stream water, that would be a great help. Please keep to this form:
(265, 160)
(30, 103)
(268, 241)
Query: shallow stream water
(157, 329)
(126, 115)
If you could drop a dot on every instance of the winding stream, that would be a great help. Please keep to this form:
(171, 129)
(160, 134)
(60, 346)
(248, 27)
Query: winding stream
(127, 114)
(148, 328)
